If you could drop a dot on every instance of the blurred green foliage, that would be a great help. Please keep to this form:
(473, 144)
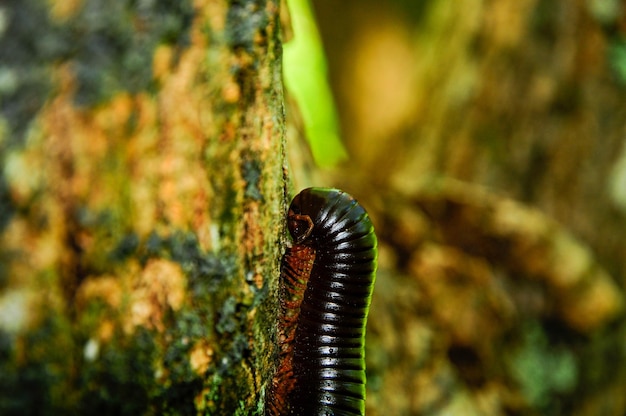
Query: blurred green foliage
(617, 58)
(543, 370)
(306, 79)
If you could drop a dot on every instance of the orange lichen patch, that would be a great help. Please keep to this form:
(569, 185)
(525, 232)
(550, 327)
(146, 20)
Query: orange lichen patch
(76, 147)
(254, 235)
(106, 330)
(506, 22)
(231, 92)
(253, 240)
(160, 286)
(162, 62)
(212, 11)
(200, 357)
(157, 143)
(593, 304)
(113, 117)
(185, 121)
(182, 111)
(106, 288)
(258, 280)
(267, 134)
(42, 250)
(64, 9)
(143, 155)
(182, 186)
(229, 132)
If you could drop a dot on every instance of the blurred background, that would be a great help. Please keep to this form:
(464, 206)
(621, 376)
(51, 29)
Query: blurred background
(486, 138)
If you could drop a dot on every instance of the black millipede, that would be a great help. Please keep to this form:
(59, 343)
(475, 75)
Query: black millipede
(326, 283)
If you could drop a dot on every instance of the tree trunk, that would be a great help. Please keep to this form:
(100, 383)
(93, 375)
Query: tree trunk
(141, 205)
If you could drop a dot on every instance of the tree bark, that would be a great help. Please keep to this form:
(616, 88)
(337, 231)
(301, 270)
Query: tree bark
(141, 205)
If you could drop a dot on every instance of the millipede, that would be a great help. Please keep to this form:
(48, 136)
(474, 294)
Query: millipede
(326, 283)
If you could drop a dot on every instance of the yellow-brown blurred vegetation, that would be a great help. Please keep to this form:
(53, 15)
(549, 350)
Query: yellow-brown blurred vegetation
(487, 139)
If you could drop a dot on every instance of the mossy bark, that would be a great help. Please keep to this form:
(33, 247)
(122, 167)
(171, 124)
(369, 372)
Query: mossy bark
(142, 194)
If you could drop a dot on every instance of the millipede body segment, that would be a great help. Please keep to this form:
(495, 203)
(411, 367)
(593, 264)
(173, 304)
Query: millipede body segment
(327, 277)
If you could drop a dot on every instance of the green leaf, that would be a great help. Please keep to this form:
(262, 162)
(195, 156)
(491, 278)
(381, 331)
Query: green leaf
(306, 79)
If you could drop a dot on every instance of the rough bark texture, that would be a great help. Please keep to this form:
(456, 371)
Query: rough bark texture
(487, 141)
(142, 194)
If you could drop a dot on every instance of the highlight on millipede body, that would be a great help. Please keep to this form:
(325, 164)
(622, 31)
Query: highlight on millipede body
(326, 283)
